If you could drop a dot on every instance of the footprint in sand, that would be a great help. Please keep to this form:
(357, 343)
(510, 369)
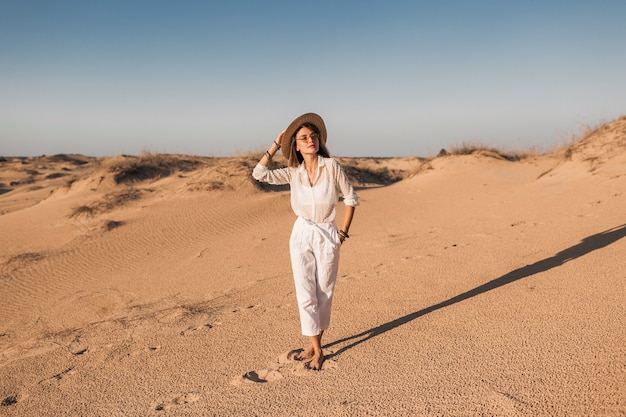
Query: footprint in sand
(264, 375)
(188, 398)
(259, 376)
(195, 328)
(143, 350)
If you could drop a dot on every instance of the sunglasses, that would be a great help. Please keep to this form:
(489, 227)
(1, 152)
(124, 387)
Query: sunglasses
(312, 137)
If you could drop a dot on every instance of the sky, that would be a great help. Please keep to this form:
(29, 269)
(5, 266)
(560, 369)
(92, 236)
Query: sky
(224, 78)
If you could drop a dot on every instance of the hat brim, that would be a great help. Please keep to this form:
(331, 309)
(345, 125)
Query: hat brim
(312, 118)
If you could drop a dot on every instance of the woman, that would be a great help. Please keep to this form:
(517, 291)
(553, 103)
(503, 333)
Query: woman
(315, 180)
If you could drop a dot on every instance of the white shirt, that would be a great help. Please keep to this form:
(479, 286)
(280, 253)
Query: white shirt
(317, 202)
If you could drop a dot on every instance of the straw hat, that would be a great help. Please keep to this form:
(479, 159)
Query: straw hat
(315, 119)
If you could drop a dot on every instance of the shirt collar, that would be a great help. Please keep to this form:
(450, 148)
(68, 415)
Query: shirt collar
(321, 162)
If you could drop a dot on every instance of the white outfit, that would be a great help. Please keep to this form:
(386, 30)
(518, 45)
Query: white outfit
(314, 244)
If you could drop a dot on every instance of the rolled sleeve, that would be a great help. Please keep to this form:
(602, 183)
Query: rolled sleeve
(350, 197)
(279, 176)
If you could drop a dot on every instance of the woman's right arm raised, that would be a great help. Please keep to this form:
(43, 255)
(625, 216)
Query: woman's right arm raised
(275, 176)
(267, 156)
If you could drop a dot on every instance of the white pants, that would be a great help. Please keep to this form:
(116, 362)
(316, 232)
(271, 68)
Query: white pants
(314, 250)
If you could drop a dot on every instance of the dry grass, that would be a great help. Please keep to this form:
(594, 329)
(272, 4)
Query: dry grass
(468, 148)
(586, 133)
(107, 204)
(381, 175)
(25, 257)
(131, 169)
(112, 224)
(80, 211)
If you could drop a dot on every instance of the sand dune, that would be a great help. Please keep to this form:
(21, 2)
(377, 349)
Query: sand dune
(161, 285)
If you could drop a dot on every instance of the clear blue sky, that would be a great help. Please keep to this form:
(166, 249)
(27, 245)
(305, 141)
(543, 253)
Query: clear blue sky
(221, 78)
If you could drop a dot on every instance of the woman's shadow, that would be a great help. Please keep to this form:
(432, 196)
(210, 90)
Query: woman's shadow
(587, 245)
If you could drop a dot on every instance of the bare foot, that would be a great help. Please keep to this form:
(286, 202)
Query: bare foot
(316, 362)
(306, 354)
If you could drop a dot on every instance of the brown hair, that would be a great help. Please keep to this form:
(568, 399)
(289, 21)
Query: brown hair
(295, 158)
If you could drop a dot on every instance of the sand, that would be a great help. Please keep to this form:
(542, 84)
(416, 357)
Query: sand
(161, 285)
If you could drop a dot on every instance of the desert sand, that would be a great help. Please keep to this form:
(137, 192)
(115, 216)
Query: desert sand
(160, 285)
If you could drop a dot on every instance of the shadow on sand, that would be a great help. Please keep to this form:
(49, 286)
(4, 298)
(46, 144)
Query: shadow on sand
(587, 245)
